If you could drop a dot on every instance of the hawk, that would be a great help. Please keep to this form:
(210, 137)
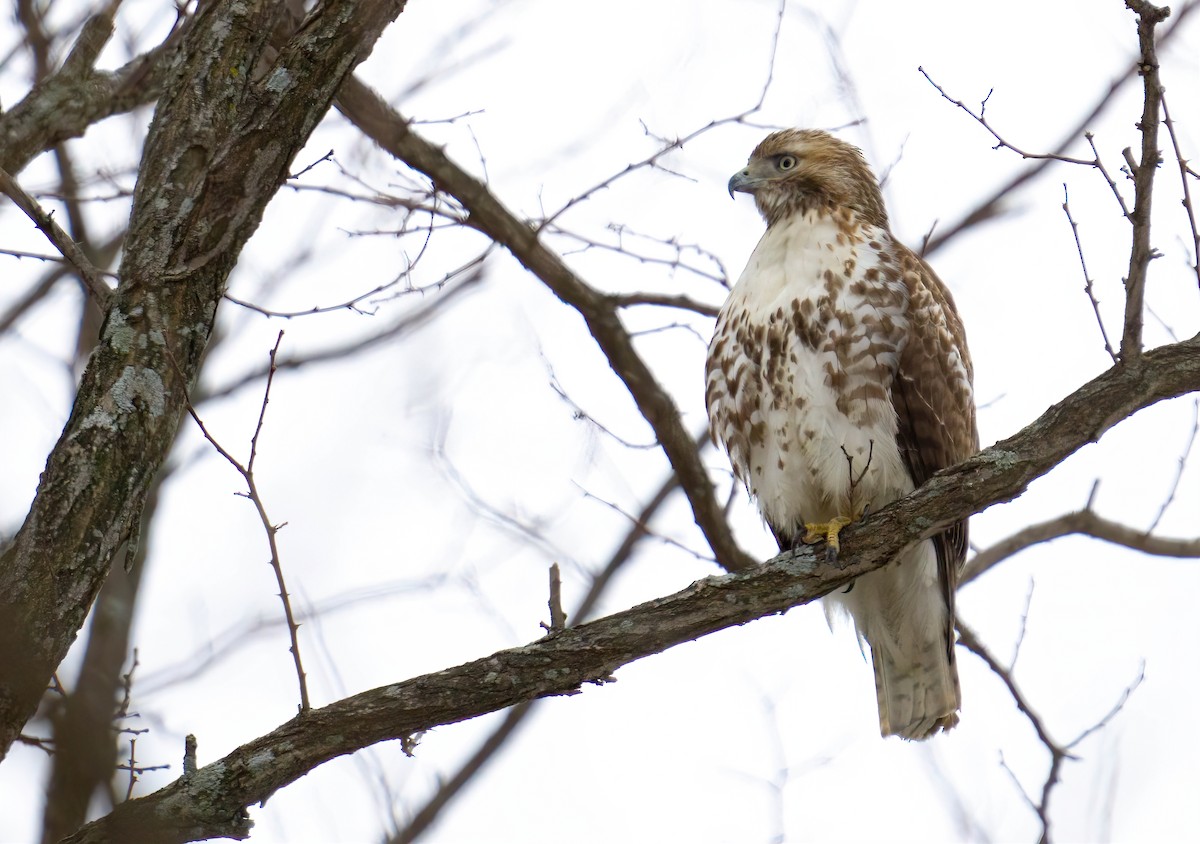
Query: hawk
(838, 380)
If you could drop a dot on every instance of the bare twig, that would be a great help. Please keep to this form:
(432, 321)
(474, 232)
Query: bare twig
(580, 414)
(1087, 279)
(353, 304)
(1012, 663)
(424, 817)
(1096, 161)
(674, 259)
(1187, 191)
(272, 529)
(1059, 753)
(46, 745)
(70, 250)
(326, 157)
(134, 768)
(992, 205)
(1181, 466)
(1112, 184)
(1001, 143)
(233, 640)
(189, 754)
(671, 144)
(487, 214)
(1086, 523)
(472, 275)
(127, 687)
(665, 300)
(558, 618)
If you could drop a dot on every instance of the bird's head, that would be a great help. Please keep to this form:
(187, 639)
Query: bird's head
(797, 170)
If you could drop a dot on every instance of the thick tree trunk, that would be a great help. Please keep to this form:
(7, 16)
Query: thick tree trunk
(227, 126)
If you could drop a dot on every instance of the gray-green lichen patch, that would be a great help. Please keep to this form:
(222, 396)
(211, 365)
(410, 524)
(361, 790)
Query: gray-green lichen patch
(261, 759)
(800, 565)
(99, 418)
(279, 81)
(1004, 459)
(139, 386)
(920, 524)
(209, 779)
(118, 332)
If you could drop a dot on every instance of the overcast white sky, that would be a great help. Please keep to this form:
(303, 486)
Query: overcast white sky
(763, 733)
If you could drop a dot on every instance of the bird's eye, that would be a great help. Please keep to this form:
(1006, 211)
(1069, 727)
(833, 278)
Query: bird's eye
(787, 162)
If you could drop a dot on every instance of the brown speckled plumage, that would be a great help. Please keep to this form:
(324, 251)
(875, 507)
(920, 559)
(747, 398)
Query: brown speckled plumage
(838, 381)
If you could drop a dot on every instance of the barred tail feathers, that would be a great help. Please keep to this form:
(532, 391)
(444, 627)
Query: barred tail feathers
(900, 612)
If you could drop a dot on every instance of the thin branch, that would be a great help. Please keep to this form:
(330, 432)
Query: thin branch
(674, 261)
(1001, 143)
(991, 206)
(580, 414)
(62, 241)
(1087, 279)
(1112, 184)
(1085, 523)
(1012, 663)
(1181, 467)
(1149, 16)
(1059, 753)
(670, 145)
(1187, 191)
(229, 643)
(1096, 161)
(558, 618)
(271, 529)
(487, 214)
(106, 251)
(424, 817)
(666, 300)
(472, 275)
(1113, 712)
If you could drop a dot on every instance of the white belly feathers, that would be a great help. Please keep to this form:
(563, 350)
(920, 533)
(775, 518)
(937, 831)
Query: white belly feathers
(800, 372)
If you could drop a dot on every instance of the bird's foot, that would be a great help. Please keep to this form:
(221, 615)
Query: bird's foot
(828, 531)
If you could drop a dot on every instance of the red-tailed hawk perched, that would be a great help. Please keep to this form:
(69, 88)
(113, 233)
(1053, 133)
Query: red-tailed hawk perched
(839, 381)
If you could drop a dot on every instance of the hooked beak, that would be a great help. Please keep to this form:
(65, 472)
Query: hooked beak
(745, 182)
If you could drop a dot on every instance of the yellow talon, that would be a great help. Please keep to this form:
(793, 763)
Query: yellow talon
(828, 531)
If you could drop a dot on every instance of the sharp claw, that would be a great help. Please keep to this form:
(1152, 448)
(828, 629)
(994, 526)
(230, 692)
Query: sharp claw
(827, 531)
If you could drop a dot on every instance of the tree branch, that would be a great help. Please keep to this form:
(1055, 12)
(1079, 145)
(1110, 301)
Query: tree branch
(215, 155)
(992, 205)
(1188, 207)
(1149, 16)
(450, 787)
(65, 104)
(1059, 753)
(212, 800)
(1087, 523)
(61, 240)
(486, 213)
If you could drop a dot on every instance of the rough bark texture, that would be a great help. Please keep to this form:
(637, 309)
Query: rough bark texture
(211, 801)
(66, 103)
(224, 133)
(85, 748)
